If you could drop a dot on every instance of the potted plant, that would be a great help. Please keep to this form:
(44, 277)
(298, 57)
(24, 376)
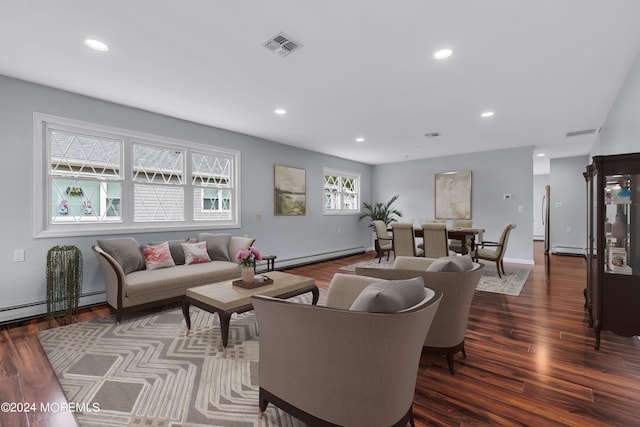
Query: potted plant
(380, 211)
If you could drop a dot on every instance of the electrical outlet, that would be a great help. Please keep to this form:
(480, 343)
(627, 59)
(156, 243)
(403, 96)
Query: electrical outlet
(18, 255)
(521, 208)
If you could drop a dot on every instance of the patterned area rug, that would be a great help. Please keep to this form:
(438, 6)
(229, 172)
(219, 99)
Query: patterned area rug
(511, 283)
(147, 372)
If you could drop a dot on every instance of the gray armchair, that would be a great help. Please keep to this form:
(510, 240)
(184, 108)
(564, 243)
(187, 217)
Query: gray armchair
(448, 330)
(332, 366)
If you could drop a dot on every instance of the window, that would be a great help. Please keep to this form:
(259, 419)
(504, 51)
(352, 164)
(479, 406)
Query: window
(93, 178)
(341, 192)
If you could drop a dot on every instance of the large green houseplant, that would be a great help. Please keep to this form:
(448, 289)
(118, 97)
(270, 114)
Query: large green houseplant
(380, 211)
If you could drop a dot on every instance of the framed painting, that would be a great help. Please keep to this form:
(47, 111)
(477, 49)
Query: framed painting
(453, 195)
(290, 186)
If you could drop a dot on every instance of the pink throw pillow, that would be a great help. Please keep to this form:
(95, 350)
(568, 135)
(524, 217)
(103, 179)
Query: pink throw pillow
(195, 253)
(158, 256)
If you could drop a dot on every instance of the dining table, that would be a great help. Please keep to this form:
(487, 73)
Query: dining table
(464, 235)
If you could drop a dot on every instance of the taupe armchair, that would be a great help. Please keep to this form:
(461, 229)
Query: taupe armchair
(332, 366)
(404, 240)
(448, 330)
(496, 251)
(385, 242)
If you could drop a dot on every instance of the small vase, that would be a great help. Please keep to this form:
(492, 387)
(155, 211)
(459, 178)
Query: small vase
(247, 274)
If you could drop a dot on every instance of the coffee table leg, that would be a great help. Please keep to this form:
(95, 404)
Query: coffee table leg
(185, 312)
(225, 320)
(316, 295)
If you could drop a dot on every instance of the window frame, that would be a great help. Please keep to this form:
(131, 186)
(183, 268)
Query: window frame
(42, 195)
(342, 174)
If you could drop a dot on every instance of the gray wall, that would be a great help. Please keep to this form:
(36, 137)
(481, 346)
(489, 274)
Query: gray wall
(568, 222)
(621, 131)
(494, 173)
(292, 239)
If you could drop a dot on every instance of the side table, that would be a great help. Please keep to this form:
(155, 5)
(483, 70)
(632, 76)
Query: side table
(271, 261)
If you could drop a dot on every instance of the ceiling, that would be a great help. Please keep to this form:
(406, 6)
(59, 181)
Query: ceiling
(365, 68)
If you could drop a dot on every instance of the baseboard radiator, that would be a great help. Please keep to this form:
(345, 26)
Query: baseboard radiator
(568, 250)
(34, 309)
(310, 259)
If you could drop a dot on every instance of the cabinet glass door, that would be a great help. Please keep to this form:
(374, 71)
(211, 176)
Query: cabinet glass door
(620, 224)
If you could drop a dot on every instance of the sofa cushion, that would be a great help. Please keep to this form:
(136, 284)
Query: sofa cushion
(143, 285)
(217, 245)
(390, 296)
(158, 256)
(175, 247)
(195, 253)
(452, 264)
(126, 251)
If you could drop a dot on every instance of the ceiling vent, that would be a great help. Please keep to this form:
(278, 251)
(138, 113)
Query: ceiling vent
(582, 132)
(281, 44)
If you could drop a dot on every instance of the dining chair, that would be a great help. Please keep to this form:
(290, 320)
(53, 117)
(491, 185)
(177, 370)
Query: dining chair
(404, 240)
(435, 241)
(385, 242)
(455, 244)
(497, 251)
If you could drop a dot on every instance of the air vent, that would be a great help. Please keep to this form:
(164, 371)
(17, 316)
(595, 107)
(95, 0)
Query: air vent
(281, 44)
(582, 132)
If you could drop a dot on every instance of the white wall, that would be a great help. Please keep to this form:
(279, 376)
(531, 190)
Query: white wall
(292, 239)
(494, 173)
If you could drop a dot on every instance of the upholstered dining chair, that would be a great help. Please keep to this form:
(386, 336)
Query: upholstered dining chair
(385, 242)
(404, 240)
(435, 241)
(494, 251)
(455, 245)
(329, 365)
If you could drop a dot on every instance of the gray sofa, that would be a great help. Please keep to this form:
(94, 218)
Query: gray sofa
(130, 286)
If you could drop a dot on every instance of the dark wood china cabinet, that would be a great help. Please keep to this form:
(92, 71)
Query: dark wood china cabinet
(612, 296)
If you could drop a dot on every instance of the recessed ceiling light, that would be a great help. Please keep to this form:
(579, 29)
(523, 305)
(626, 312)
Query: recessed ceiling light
(443, 54)
(360, 139)
(280, 111)
(96, 45)
(487, 114)
(540, 155)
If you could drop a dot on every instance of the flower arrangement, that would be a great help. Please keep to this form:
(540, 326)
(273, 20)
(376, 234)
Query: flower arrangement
(248, 257)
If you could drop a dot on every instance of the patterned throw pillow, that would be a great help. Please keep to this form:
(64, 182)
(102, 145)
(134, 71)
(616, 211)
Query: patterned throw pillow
(195, 253)
(158, 256)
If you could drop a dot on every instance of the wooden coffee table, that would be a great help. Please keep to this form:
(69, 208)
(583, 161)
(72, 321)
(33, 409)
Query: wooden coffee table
(225, 299)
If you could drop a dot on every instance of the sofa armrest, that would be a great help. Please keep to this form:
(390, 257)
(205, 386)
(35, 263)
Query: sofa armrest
(237, 243)
(114, 277)
(345, 288)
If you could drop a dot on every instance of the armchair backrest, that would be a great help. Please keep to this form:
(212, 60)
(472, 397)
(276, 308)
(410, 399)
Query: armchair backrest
(403, 239)
(339, 366)
(436, 242)
(381, 230)
(458, 288)
(504, 239)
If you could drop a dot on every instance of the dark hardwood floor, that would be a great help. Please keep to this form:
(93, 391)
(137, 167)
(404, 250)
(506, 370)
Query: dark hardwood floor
(530, 360)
